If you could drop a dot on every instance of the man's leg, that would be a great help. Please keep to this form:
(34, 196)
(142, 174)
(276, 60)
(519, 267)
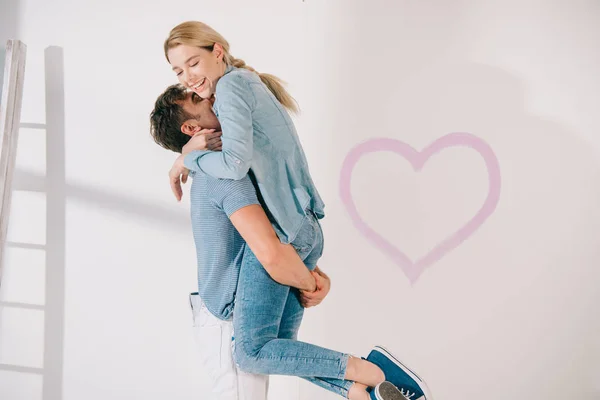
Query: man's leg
(214, 340)
(251, 386)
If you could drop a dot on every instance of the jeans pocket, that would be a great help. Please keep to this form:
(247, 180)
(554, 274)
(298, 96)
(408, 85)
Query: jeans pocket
(305, 239)
(321, 239)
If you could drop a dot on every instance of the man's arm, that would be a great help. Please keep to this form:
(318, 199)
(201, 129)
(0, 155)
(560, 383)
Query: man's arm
(236, 102)
(280, 260)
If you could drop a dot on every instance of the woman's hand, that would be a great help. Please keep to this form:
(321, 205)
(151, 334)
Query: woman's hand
(178, 175)
(206, 139)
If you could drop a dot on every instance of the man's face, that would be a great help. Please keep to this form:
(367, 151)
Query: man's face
(202, 112)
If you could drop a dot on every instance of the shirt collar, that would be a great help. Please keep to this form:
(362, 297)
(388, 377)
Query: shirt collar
(228, 69)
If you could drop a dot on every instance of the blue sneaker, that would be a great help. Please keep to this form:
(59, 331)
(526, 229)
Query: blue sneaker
(406, 380)
(386, 391)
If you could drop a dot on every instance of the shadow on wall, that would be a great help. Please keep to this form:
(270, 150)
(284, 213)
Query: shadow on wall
(53, 185)
(158, 215)
(57, 190)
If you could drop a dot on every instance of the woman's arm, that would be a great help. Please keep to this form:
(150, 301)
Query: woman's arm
(235, 105)
(280, 261)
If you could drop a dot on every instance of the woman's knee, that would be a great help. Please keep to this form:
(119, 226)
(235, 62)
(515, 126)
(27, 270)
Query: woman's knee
(247, 359)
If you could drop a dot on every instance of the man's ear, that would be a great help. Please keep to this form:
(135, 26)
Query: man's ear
(190, 127)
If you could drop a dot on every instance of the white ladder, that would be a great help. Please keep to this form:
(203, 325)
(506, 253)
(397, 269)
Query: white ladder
(10, 113)
(10, 117)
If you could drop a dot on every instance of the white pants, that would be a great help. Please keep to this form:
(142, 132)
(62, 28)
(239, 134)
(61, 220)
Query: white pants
(214, 338)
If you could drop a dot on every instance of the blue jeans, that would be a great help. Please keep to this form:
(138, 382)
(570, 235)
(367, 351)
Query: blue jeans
(267, 317)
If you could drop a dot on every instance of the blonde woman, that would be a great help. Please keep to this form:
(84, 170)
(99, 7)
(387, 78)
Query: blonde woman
(259, 140)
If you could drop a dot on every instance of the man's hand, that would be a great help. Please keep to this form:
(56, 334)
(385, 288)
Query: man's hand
(206, 139)
(311, 299)
(178, 175)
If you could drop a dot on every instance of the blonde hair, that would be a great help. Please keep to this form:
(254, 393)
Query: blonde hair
(198, 34)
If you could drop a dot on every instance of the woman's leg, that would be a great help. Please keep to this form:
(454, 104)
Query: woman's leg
(260, 303)
(258, 320)
(290, 324)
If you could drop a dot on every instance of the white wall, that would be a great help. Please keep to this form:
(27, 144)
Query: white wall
(507, 313)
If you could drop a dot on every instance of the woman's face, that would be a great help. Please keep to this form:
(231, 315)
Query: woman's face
(197, 68)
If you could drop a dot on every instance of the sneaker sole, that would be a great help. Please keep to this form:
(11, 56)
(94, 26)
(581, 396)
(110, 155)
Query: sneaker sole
(387, 391)
(410, 372)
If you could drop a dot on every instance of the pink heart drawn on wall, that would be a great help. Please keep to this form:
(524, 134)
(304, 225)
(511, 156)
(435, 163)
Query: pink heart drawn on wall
(414, 269)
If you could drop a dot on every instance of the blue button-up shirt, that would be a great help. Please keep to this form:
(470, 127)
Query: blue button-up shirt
(259, 136)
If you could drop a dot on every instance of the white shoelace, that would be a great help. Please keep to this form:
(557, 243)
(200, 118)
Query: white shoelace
(407, 394)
